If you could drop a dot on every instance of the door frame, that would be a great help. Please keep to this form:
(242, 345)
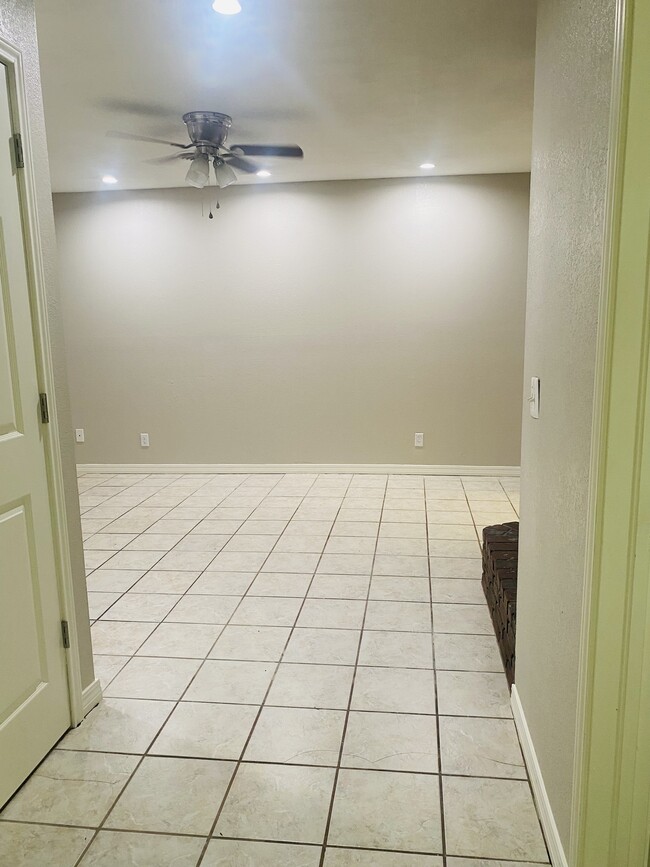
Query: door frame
(611, 793)
(11, 57)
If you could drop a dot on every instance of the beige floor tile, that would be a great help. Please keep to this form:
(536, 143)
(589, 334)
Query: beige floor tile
(99, 603)
(204, 609)
(295, 735)
(460, 532)
(161, 785)
(402, 547)
(298, 544)
(256, 643)
(355, 528)
(160, 581)
(231, 681)
(41, 845)
(468, 619)
(237, 561)
(148, 677)
(280, 584)
(109, 541)
(119, 638)
(183, 640)
(306, 685)
(454, 548)
(396, 649)
(152, 607)
(116, 848)
(455, 567)
(480, 748)
(457, 590)
(267, 611)
(402, 530)
(113, 580)
(154, 542)
(370, 858)
(399, 589)
(387, 810)
(401, 564)
(106, 667)
(334, 613)
(71, 788)
(400, 616)
(237, 853)
(206, 731)
(250, 543)
(403, 690)
(391, 742)
(491, 819)
(339, 586)
(473, 693)
(351, 545)
(119, 725)
(467, 652)
(278, 802)
(330, 646)
(222, 583)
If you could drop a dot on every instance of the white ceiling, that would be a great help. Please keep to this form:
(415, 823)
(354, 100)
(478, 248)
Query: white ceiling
(368, 88)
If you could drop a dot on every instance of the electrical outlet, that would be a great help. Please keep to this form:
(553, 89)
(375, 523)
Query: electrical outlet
(144, 440)
(80, 435)
(419, 441)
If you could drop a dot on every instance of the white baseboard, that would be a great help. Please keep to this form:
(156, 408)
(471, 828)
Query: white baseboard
(555, 848)
(400, 469)
(91, 696)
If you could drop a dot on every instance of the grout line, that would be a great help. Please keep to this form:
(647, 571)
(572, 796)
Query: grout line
(263, 703)
(330, 811)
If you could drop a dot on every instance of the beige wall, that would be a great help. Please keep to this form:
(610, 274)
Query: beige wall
(316, 323)
(572, 94)
(17, 26)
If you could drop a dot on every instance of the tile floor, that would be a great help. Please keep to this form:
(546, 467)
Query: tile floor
(298, 670)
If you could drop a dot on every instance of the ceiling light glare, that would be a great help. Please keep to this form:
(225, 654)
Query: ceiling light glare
(227, 7)
(198, 173)
(263, 173)
(109, 179)
(428, 166)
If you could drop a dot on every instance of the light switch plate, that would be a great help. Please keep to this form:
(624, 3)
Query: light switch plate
(533, 400)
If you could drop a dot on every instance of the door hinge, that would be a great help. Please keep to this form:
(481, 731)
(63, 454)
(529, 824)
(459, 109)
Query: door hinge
(18, 150)
(65, 632)
(45, 412)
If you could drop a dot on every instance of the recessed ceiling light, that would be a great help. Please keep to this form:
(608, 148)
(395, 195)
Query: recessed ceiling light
(227, 7)
(263, 174)
(109, 179)
(428, 166)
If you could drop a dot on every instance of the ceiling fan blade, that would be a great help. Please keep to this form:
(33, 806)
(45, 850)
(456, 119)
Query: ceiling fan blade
(131, 137)
(168, 159)
(255, 150)
(240, 163)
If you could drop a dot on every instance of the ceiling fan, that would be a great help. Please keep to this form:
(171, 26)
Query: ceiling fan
(208, 131)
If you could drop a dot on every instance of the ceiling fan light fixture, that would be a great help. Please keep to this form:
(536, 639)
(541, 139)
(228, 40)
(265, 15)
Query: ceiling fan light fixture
(198, 173)
(263, 173)
(224, 174)
(227, 7)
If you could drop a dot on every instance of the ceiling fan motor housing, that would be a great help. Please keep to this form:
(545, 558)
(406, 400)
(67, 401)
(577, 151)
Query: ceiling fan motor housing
(207, 127)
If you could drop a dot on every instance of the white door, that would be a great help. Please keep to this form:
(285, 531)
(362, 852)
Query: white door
(34, 702)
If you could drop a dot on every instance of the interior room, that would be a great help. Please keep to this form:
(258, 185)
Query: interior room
(317, 295)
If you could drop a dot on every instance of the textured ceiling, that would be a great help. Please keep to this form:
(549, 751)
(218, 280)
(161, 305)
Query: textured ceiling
(368, 88)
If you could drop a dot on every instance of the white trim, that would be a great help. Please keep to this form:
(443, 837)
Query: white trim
(401, 469)
(12, 57)
(601, 364)
(555, 848)
(91, 696)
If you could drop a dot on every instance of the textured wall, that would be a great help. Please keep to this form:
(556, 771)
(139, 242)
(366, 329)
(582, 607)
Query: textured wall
(317, 323)
(568, 185)
(17, 26)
